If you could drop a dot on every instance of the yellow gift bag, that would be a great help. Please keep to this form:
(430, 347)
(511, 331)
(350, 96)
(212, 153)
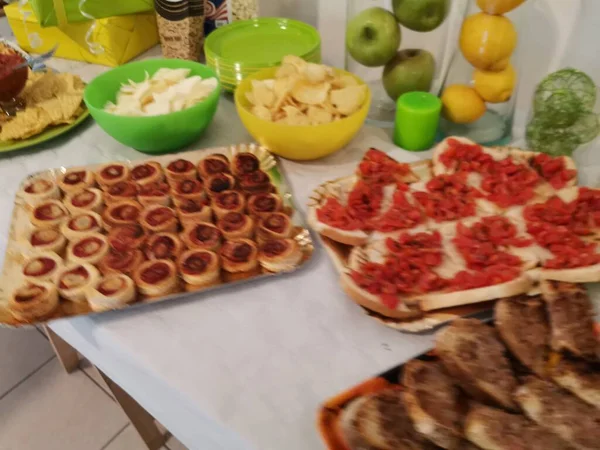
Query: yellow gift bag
(111, 41)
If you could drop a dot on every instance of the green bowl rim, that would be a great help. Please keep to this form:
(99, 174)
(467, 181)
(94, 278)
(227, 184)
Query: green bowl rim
(214, 95)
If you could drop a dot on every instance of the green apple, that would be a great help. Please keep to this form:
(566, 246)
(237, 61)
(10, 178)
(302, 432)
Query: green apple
(373, 37)
(410, 70)
(421, 15)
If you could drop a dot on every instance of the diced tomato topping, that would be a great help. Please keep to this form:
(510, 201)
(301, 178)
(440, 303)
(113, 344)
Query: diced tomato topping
(364, 200)
(333, 213)
(401, 215)
(553, 169)
(448, 198)
(378, 168)
(466, 157)
(508, 183)
(492, 275)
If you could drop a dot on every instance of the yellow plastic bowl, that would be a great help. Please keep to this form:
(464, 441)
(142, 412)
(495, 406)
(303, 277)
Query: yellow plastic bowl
(304, 142)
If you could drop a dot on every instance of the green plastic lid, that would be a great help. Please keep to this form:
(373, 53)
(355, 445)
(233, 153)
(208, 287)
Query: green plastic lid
(417, 118)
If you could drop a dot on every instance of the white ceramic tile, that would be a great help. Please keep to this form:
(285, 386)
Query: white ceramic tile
(53, 410)
(128, 439)
(21, 353)
(174, 444)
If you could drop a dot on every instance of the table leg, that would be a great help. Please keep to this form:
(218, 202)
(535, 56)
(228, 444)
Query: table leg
(67, 355)
(141, 420)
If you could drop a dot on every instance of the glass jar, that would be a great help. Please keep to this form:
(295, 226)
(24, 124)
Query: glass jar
(479, 92)
(413, 58)
(222, 12)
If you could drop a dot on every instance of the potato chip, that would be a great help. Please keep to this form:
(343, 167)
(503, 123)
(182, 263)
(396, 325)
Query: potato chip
(263, 94)
(311, 94)
(344, 81)
(318, 115)
(315, 73)
(262, 112)
(348, 100)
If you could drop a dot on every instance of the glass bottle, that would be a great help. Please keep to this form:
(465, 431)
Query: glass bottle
(434, 21)
(479, 91)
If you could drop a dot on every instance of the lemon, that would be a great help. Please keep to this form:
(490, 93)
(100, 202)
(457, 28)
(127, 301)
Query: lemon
(487, 41)
(495, 87)
(498, 6)
(500, 65)
(462, 104)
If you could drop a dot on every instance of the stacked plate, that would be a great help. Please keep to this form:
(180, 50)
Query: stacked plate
(241, 48)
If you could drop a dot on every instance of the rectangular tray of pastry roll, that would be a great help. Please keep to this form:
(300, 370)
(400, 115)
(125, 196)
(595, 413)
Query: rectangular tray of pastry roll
(529, 379)
(98, 238)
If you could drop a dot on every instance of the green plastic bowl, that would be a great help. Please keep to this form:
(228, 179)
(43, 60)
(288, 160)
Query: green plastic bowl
(155, 134)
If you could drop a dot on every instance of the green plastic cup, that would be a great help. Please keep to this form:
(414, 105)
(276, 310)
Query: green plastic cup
(417, 119)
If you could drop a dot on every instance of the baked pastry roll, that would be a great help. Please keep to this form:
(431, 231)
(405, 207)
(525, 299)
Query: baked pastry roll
(228, 201)
(274, 226)
(188, 190)
(33, 301)
(126, 261)
(212, 165)
(219, 183)
(81, 224)
(180, 169)
(199, 268)
(244, 163)
(127, 237)
(264, 204)
(39, 190)
(75, 279)
(113, 292)
(239, 255)
(42, 267)
(235, 225)
(88, 199)
(191, 212)
(280, 255)
(146, 173)
(123, 190)
(49, 214)
(125, 212)
(158, 218)
(256, 182)
(112, 173)
(47, 240)
(203, 236)
(157, 278)
(154, 193)
(75, 179)
(163, 246)
(88, 249)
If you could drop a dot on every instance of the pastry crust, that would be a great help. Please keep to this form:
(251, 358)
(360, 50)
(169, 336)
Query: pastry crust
(47, 240)
(147, 172)
(158, 218)
(180, 169)
(235, 225)
(88, 249)
(163, 246)
(274, 226)
(191, 212)
(81, 224)
(219, 183)
(239, 255)
(49, 214)
(212, 165)
(75, 279)
(113, 292)
(124, 190)
(112, 173)
(125, 262)
(203, 236)
(127, 237)
(228, 201)
(157, 278)
(33, 301)
(125, 212)
(42, 267)
(264, 204)
(76, 179)
(281, 255)
(188, 190)
(244, 163)
(38, 190)
(154, 193)
(256, 182)
(88, 199)
(200, 268)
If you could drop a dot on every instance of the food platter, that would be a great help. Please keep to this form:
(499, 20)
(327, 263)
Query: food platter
(418, 245)
(442, 397)
(125, 245)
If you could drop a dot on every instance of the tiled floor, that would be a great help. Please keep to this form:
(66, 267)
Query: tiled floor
(44, 408)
